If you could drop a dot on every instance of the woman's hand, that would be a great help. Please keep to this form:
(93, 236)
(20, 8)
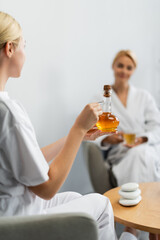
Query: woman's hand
(138, 141)
(88, 117)
(113, 139)
(94, 133)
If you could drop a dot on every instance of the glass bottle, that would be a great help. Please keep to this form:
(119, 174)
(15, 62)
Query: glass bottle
(107, 121)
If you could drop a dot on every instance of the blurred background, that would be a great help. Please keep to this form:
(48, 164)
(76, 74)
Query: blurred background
(70, 45)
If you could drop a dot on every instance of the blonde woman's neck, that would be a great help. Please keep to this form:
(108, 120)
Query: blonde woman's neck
(120, 87)
(3, 80)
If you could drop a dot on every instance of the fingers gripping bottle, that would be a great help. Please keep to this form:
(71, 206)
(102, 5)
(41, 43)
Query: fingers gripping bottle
(107, 121)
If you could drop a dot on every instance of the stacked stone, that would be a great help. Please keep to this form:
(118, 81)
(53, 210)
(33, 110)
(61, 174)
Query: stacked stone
(130, 194)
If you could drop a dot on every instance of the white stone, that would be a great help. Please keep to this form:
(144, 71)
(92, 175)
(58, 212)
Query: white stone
(129, 187)
(130, 195)
(130, 202)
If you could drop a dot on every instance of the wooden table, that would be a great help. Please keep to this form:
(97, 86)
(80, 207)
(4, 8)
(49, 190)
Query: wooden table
(146, 215)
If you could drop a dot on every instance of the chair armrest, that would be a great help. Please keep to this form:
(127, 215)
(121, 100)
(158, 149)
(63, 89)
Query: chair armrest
(64, 226)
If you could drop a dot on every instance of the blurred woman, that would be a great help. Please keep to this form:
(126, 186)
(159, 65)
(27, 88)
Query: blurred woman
(138, 114)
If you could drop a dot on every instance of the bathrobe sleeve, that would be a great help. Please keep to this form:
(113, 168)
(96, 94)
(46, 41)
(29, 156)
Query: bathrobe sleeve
(22, 157)
(152, 120)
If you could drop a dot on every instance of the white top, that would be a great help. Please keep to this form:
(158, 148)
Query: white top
(22, 163)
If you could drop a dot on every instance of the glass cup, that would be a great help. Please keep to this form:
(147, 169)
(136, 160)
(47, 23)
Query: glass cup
(129, 138)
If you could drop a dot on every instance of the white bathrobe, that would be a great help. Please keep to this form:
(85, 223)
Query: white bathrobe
(140, 116)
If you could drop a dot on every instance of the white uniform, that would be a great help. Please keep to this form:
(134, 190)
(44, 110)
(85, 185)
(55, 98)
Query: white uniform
(22, 164)
(140, 116)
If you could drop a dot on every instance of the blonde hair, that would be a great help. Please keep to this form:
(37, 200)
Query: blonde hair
(10, 30)
(127, 53)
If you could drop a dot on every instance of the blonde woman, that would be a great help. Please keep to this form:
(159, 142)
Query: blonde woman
(138, 114)
(28, 185)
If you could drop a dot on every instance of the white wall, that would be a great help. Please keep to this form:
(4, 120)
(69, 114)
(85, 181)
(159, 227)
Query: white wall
(70, 47)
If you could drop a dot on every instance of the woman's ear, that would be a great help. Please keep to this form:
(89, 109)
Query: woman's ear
(9, 49)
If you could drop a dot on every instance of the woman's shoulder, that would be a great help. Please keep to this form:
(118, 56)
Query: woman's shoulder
(5, 109)
(11, 112)
(7, 120)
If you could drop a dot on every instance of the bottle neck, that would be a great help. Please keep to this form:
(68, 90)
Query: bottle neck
(107, 104)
